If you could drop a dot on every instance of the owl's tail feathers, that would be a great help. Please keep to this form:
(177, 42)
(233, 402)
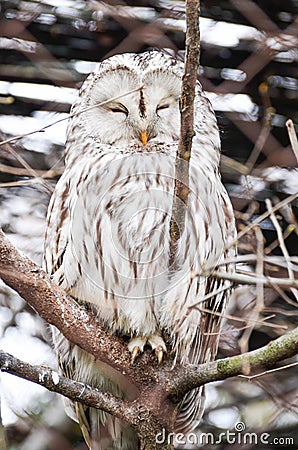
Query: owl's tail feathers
(102, 431)
(191, 410)
(83, 422)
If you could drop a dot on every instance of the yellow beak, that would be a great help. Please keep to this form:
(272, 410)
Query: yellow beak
(144, 137)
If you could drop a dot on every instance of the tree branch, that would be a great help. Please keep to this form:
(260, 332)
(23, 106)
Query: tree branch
(186, 378)
(82, 329)
(137, 413)
(181, 190)
(74, 390)
(253, 279)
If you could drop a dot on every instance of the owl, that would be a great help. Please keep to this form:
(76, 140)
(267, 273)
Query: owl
(108, 240)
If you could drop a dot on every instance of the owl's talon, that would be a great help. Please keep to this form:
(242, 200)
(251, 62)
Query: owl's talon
(157, 344)
(155, 341)
(136, 351)
(136, 347)
(159, 353)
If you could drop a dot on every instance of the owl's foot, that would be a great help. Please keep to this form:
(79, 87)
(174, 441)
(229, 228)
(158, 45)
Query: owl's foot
(155, 341)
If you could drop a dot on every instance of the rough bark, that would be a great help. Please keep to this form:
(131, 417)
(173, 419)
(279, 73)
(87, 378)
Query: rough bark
(192, 54)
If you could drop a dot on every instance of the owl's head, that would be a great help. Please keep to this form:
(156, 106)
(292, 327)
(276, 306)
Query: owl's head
(150, 114)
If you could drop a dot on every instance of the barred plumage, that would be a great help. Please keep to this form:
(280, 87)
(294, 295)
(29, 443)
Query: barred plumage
(108, 240)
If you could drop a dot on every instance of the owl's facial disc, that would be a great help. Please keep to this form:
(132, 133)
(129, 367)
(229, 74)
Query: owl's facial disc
(141, 117)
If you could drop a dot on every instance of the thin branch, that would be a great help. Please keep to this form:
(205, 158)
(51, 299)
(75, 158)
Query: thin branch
(264, 216)
(288, 231)
(181, 189)
(22, 172)
(277, 369)
(272, 259)
(42, 129)
(280, 238)
(253, 279)
(28, 182)
(240, 319)
(232, 164)
(259, 144)
(292, 137)
(259, 307)
(24, 163)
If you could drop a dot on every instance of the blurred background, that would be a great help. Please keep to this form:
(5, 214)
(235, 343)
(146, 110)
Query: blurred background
(249, 53)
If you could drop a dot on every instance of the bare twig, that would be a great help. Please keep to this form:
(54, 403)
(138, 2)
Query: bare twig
(288, 231)
(255, 313)
(280, 238)
(272, 259)
(266, 214)
(42, 129)
(292, 137)
(277, 369)
(189, 82)
(252, 279)
(234, 165)
(260, 142)
(20, 171)
(240, 319)
(24, 163)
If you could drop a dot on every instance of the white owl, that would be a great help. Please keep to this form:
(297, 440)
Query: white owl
(108, 238)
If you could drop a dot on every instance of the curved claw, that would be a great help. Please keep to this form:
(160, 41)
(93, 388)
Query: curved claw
(136, 346)
(155, 341)
(136, 351)
(157, 344)
(159, 351)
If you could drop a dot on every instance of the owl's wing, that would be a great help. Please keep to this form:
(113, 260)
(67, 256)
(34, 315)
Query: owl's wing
(57, 230)
(99, 429)
(203, 349)
(212, 295)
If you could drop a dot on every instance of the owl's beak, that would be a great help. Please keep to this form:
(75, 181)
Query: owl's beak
(144, 137)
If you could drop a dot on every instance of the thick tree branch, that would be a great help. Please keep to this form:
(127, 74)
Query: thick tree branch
(186, 378)
(82, 329)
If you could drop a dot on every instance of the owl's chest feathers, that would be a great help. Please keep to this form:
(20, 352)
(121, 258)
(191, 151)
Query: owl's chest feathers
(120, 238)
